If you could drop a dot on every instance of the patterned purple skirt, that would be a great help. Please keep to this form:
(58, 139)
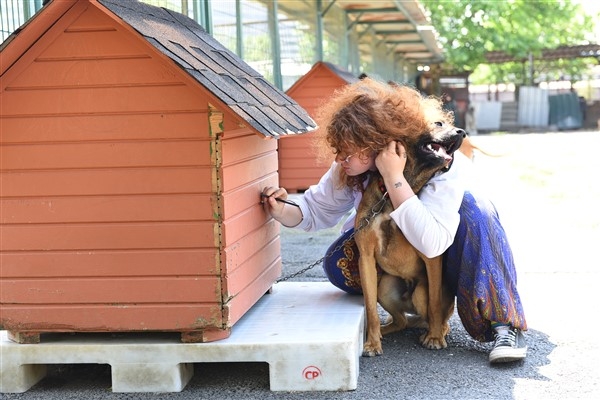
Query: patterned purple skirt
(478, 267)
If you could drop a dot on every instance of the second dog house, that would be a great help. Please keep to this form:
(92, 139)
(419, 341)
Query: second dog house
(133, 154)
(299, 166)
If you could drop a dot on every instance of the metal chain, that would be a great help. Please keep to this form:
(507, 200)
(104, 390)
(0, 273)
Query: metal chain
(364, 223)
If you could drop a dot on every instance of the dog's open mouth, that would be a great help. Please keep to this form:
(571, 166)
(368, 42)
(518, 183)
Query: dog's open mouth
(437, 147)
(439, 150)
(443, 150)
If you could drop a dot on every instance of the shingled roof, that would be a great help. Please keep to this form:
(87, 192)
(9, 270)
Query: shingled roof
(345, 75)
(246, 92)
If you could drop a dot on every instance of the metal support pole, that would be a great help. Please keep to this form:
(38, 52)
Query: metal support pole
(320, 27)
(530, 69)
(275, 46)
(184, 7)
(345, 58)
(202, 14)
(27, 12)
(239, 43)
(319, 49)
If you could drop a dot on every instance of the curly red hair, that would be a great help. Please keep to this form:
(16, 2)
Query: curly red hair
(369, 114)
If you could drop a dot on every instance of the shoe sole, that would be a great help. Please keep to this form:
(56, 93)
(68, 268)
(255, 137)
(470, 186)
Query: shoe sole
(509, 355)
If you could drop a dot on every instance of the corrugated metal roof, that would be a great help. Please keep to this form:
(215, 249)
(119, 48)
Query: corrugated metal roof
(246, 92)
(402, 25)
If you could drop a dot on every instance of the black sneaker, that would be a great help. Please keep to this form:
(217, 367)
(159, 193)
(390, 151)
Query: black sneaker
(509, 346)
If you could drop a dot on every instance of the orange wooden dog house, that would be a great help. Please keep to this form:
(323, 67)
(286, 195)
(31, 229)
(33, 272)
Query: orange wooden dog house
(133, 153)
(299, 166)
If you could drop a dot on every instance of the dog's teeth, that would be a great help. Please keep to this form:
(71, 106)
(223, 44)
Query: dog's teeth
(436, 148)
(439, 150)
(433, 147)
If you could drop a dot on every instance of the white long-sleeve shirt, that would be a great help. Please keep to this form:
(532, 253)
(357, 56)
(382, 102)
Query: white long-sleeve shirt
(428, 221)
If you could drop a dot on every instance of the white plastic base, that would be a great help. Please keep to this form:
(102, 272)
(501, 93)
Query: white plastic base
(310, 334)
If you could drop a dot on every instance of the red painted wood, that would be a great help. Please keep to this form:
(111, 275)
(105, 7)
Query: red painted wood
(121, 209)
(237, 306)
(236, 175)
(98, 182)
(111, 317)
(99, 100)
(241, 148)
(22, 42)
(112, 290)
(114, 154)
(125, 235)
(246, 273)
(91, 209)
(102, 127)
(296, 153)
(247, 197)
(109, 263)
(264, 242)
(97, 72)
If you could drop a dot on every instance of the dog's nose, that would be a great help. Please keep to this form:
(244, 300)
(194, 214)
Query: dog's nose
(461, 132)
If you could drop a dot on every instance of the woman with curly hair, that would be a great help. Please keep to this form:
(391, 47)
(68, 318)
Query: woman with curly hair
(363, 125)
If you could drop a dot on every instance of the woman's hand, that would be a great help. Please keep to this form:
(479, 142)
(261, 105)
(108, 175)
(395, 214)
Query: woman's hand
(391, 162)
(273, 207)
(285, 214)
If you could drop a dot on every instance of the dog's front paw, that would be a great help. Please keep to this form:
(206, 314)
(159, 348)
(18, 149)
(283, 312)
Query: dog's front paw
(433, 342)
(371, 349)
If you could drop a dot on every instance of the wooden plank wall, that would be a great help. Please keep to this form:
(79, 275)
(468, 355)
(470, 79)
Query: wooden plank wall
(252, 253)
(108, 218)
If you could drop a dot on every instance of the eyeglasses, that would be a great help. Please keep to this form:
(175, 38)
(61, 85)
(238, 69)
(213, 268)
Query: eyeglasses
(348, 158)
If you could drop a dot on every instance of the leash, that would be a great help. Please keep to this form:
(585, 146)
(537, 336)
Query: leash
(375, 210)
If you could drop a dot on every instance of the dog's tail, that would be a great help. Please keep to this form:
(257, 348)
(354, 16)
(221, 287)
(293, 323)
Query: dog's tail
(468, 148)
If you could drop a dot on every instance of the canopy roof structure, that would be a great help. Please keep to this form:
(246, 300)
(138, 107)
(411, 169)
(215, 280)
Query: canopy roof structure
(401, 25)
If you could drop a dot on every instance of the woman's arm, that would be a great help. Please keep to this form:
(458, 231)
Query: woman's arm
(428, 221)
(286, 214)
(321, 206)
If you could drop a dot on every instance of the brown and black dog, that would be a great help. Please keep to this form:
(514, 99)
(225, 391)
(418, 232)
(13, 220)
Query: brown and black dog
(411, 283)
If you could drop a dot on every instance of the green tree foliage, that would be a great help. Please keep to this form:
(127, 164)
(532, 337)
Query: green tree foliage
(470, 28)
